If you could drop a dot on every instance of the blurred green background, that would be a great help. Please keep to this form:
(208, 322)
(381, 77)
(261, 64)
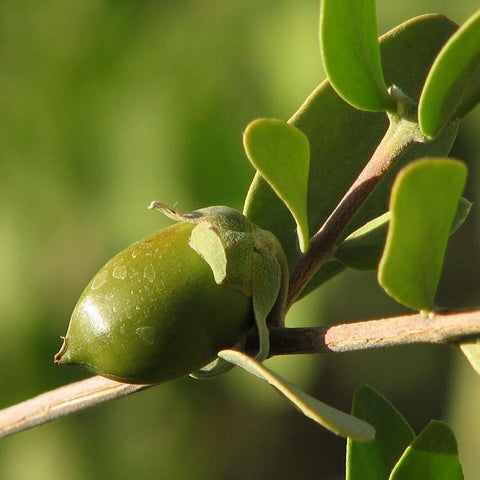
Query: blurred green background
(107, 105)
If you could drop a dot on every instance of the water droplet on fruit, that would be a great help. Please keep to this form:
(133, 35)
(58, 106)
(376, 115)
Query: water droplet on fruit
(149, 273)
(147, 334)
(120, 272)
(99, 280)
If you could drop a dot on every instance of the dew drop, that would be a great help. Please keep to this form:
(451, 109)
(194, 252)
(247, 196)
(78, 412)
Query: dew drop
(120, 272)
(149, 273)
(99, 280)
(147, 334)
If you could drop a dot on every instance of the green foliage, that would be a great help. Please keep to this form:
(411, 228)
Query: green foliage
(452, 87)
(281, 155)
(396, 453)
(362, 248)
(347, 139)
(374, 460)
(424, 200)
(433, 455)
(351, 54)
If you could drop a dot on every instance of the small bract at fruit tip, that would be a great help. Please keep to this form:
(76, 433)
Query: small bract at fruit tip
(58, 356)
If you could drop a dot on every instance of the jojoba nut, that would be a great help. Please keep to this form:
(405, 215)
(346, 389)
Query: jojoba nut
(154, 312)
(165, 306)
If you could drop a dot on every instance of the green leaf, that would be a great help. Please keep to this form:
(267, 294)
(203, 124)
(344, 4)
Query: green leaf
(363, 248)
(424, 199)
(374, 460)
(463, 210)
(433, 455)
(472, 351)
(351, 53)
(281, 154)
(452, 87)
(343, 138)
(334, 420)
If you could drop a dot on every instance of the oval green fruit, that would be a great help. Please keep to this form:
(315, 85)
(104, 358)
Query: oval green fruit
(154, 312)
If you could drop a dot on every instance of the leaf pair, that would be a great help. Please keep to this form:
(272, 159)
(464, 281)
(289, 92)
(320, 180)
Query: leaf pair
(351, 53)
(396, 453)
(363, 248)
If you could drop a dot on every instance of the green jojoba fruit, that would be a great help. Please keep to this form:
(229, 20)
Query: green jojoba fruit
(165, 306)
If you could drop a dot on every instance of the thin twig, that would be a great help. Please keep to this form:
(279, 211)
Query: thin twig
(385, 332)
(62, 401)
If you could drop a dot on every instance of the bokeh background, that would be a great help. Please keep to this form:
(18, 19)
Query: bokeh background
(107, 105)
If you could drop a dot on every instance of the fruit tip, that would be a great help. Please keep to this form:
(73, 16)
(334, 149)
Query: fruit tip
(58, 356)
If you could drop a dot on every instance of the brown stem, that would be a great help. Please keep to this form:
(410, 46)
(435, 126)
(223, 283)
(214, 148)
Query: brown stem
(400, 135)
(385, 332)
(62, 401)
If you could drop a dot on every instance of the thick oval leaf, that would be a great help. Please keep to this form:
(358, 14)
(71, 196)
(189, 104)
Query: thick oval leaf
(374, 460)
(433, 455)
(363, 248)
(351, 53)
(452, 87)
(472, 351)
(342, 139)
(423, 203)
(281, 154)
(334, 420)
